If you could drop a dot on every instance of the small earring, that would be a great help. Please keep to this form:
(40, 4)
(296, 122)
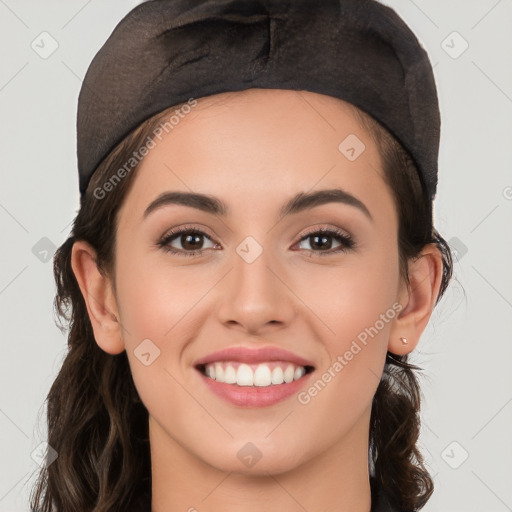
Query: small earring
(404, 341)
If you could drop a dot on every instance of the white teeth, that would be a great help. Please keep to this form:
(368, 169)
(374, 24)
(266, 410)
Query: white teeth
(219, 372)
(230, 375)
(260, 375)
(299, 372)
(244, 375)
(289, 373)
(277, 375)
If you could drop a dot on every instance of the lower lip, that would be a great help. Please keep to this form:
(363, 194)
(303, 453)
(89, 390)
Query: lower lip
(254, 396)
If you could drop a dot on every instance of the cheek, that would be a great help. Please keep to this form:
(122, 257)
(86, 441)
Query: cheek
(155, 295)
(155, 304)
(351, 297)
(158, 306)
(357, 307)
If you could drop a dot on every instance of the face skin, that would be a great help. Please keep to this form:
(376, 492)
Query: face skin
(255, 150)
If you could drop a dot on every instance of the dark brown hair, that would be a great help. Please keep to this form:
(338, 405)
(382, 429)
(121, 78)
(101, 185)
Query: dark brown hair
(395, 418)
(96, 420)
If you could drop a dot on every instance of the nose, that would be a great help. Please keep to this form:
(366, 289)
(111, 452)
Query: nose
(255, 296)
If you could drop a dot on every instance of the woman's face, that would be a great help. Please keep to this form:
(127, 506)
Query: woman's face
(260, 278)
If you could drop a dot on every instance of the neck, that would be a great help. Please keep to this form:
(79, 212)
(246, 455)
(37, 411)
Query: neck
(336, 479)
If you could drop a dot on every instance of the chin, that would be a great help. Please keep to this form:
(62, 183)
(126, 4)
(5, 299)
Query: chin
(253, 459)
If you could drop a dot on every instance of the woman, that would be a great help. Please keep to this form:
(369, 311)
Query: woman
(252, 262)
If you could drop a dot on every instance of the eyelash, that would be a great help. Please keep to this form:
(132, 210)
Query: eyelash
(346, 240)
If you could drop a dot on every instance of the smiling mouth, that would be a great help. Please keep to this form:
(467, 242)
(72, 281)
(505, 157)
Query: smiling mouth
(272, 373)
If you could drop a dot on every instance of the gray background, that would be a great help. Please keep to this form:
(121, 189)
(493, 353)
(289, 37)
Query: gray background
(466, 350)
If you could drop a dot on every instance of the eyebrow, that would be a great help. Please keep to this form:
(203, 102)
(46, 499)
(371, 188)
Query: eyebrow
(302, 201)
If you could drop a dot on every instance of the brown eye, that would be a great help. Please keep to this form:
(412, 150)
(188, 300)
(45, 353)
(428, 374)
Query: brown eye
(321, 241)
(190, 242)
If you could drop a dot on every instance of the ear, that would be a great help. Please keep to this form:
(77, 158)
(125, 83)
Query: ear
(418, 300)
(100, 300)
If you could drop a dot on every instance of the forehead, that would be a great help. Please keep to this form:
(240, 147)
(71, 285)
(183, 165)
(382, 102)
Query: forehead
(260, 142)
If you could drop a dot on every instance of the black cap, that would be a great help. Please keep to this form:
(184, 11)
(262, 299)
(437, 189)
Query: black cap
(165, 52)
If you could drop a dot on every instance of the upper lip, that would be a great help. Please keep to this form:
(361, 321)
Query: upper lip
(253, 356)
